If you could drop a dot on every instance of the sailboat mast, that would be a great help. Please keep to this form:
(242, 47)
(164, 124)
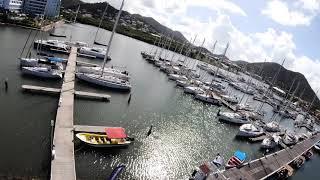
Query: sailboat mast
(167, 52)
(75, 18)
(26, 43)
(111, 37)
(104, 12)
(174, 52)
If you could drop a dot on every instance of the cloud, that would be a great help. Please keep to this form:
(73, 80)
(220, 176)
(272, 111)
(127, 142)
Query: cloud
(279, 12)
(271, 44)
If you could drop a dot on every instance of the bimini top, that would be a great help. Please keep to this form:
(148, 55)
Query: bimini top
(55, 59)
(116, 133)
(240, 155)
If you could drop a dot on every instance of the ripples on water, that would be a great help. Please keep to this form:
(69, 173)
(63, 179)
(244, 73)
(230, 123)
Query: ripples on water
(186, 132)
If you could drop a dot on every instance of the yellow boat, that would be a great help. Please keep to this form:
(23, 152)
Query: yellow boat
(101, 140)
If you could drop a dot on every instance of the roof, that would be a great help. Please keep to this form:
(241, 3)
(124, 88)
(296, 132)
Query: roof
(116, 133)
(240, 155)
(279, 90)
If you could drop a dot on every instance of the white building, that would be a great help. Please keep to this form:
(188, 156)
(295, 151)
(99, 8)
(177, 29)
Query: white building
(12, 5)
(37, 7)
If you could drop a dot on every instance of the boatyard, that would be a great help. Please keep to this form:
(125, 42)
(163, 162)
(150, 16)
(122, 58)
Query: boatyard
(142, 110)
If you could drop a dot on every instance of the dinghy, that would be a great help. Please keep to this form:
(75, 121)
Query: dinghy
(114, 137)
(236, 160)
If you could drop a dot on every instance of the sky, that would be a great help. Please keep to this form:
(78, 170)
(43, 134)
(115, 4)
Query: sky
(257, 30)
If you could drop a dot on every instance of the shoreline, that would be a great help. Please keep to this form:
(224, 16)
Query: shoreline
(45, 28)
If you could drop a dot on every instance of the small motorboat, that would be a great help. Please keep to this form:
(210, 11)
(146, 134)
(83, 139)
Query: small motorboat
(269, 143)
(182, 83)
(193, 90)
(43, 72)
(53, 62)
(317, 146)
(207, 168)
(297, 163)
(272, 127)
(106, 71)
(289, 139)
(208, 98)
(250, 130)
(284, 172)
(105, 81)
(236, 160)
(177, 77)
(114, 137)
(307, 155)
(231, 117)
(99, 53)
(52, 45)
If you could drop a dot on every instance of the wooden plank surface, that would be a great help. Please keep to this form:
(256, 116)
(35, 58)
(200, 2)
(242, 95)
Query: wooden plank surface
(63, 165)
(265, 166)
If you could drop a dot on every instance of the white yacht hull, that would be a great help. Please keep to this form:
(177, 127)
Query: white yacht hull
(232, 120)
(207, 99)
(105, 81)
(107, 71)
(49, 75)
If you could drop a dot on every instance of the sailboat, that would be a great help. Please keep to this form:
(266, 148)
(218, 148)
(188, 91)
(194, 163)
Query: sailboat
(102, 79)
(43, 72)
(95, 37)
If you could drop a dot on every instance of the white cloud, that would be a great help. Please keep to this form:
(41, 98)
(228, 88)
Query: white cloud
(292, 15)
(274, 45)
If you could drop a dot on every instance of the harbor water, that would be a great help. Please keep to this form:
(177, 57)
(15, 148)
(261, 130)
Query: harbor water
(186, 132)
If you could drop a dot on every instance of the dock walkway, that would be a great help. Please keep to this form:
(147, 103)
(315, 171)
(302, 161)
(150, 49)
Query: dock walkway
(56, 91)
(266, 166)
(63, 164)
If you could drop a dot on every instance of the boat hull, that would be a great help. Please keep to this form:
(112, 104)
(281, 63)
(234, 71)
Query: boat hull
(232, 120)
(41, 74)
(101, 82)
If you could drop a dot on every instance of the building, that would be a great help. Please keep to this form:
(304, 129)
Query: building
(1, 4)
(37, 7)
(12, 5)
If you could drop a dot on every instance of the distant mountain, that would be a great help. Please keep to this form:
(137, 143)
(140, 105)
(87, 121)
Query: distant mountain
(93, 7)
(284, 79)
(161, 28)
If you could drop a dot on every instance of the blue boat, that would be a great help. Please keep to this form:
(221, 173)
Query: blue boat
(237, 159)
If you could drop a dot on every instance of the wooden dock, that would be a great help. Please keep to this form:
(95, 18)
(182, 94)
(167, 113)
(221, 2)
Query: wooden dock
(56, 91)
(95, 129)
(268, 165)
(228, 105)
(89, 95)
(63, 163)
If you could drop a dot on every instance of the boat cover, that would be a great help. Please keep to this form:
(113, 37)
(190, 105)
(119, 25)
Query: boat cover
(240, 155)
(55, 59)
(116, 133)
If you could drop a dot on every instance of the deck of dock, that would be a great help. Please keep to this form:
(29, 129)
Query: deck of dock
(264, 167)
(63, 163)
(56, 91)
(228, 105)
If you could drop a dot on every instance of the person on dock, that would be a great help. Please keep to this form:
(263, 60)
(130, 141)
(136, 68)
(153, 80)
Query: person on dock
(6, 84)
(150, 131)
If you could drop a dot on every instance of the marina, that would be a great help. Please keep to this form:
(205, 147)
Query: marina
(173, 114)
